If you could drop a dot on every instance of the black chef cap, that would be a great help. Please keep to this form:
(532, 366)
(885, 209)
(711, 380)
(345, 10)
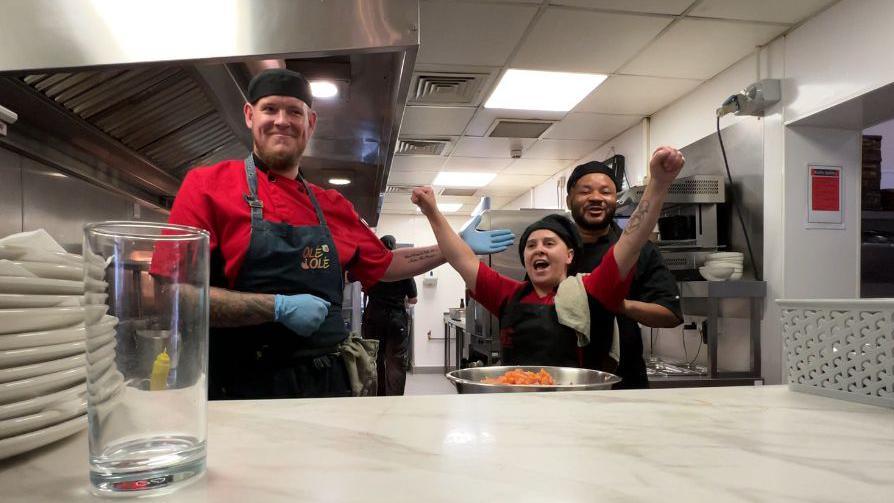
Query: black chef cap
(280, 82)
(562, 226)
(389, 241)
(588, 168)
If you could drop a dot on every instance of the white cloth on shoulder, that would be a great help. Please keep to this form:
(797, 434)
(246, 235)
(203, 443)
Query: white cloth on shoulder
(573, 308)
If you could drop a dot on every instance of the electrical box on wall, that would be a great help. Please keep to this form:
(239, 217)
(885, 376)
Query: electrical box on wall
(753, 100)
(430, 279)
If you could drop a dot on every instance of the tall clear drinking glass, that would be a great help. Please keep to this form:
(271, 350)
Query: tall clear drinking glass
(146, 290)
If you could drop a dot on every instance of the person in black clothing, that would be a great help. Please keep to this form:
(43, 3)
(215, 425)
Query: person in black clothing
(653, 299)
(385, 319)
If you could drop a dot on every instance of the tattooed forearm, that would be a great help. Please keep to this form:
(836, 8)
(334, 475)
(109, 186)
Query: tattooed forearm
(636, 220)
(409, 262)
(421, 254)
(237, 309)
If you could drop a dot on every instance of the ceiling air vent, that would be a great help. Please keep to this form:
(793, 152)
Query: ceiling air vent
(433, 88)
(519, 128)
(458, 192)
(399, 189)
(421, 147)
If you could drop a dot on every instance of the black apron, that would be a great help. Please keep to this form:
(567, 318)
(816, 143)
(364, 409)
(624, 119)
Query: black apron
(269, 360)
(532, 335)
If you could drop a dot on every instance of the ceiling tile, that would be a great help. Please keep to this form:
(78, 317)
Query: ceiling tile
(789, 11)
(470, 146)
(561, 149)
(700, 49)
(568, 40)
(435, 121)
(626, 94)
(585, 126)
(504, 192)
(411, 177)
(485, 117)
(653, 6)
(512, 185)
(417, 163)
(479, 164)
(509, 180)
(488, 34)
(546, 167)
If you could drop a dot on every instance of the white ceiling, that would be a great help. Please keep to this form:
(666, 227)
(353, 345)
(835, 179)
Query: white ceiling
(654, 51)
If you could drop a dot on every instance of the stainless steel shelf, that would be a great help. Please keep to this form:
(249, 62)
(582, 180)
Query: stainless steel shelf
(703, 298)
(723, 289)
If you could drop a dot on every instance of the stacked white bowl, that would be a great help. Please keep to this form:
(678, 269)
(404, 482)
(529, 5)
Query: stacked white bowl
(43, 342)
(722, 266)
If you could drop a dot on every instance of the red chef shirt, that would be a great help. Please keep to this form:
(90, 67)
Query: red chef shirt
(604, 284)
(211, 198)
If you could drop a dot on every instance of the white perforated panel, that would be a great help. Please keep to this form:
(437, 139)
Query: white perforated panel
(841, 348)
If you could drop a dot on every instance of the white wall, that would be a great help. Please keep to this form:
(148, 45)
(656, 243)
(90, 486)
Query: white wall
(821, 263)
(692, 117)
(433, 300)
(842, 53)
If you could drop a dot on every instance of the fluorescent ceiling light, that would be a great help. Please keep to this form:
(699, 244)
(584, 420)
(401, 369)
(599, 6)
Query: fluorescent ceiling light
(446, 207)
(323, 89)
(463, 179)
(339, 181)
(545, 91)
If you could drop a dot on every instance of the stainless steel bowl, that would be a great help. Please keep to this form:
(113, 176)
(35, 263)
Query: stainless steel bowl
(566, 379)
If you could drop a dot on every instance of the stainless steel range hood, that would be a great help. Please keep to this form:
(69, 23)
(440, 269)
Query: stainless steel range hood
(130, 95)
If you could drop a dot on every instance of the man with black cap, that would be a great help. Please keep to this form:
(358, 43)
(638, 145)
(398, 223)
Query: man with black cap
(385, 319)
(532, 330)
(279, 246)
(653, 299)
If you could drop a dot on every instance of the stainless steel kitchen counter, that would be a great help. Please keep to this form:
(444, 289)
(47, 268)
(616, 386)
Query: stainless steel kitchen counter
(707, 444)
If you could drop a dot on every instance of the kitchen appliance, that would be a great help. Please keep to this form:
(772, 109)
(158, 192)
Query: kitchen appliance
(482, 341)
(566, 379)
(692, 224)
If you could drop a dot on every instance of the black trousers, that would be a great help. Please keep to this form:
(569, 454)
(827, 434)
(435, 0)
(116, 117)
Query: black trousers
(390, 327)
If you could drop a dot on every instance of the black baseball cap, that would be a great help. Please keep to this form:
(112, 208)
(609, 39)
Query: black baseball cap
(561, 225)
(280, 82)
(583, 170)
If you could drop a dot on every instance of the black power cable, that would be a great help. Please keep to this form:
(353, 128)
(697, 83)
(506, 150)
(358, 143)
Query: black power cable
(757, 272)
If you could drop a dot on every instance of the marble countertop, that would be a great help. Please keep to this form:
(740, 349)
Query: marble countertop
(700, 444)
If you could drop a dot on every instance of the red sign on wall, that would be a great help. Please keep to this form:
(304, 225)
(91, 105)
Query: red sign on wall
(825, 201)
(825, 185)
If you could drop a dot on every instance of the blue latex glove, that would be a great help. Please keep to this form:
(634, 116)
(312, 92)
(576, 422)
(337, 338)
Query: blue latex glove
(301, 313)
(485, 242)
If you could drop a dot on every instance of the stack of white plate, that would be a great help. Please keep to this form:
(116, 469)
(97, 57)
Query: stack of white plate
(43, 342)
(722, 266)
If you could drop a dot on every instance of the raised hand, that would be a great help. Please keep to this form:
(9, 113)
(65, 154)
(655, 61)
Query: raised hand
(666, 164)
(424, 198)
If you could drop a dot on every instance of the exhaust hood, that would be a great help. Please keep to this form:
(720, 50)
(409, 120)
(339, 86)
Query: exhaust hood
(130, 95)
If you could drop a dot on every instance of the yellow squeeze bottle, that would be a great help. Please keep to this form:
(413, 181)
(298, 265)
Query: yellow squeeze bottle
(160, 370)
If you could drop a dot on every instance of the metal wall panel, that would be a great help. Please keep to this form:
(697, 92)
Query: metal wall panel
(81, 33)
(744, 144)
(151, 215)
(10, 193)
(62, 205)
